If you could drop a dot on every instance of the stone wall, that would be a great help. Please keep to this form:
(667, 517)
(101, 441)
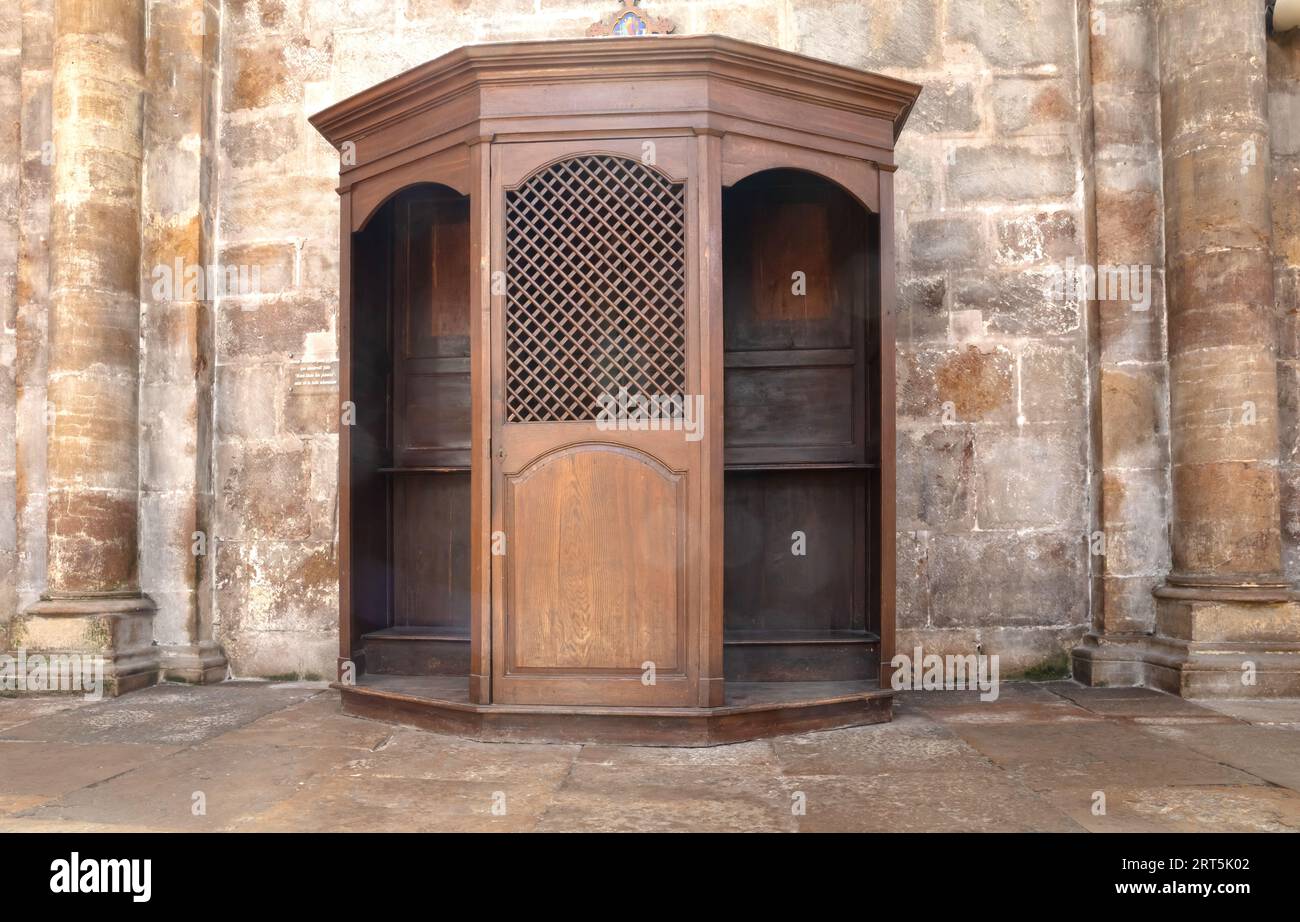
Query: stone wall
(1036, 142)
(26, 364)
(993, 391)
(993, 501)
(10, 145)
(1284, 119)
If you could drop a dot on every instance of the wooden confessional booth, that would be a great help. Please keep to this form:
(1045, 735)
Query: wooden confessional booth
(616, 334)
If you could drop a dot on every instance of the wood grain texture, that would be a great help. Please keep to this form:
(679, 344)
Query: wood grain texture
(596, 571)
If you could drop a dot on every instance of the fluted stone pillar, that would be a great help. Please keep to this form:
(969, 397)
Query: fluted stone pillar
(1227, 623)
(93, 602)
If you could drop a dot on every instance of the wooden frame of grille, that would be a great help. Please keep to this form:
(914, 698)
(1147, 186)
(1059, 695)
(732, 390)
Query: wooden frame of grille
(595, 287)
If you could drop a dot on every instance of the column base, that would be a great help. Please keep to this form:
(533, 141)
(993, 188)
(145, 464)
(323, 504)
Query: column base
(1230, 642)
(197, 663)
(116, 630)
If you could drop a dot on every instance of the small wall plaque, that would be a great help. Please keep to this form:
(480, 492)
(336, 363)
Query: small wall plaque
(631, 20)
(315, 378)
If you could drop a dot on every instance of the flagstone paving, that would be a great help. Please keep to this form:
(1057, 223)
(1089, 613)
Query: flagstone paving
(1053, 756)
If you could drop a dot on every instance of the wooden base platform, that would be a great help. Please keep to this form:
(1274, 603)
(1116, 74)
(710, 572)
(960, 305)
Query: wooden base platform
(754, 710)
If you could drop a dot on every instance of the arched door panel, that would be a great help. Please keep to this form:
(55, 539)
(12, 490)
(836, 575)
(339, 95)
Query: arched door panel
(594, 601)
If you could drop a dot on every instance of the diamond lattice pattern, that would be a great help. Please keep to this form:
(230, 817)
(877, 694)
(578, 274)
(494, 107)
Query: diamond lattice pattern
(595, 288)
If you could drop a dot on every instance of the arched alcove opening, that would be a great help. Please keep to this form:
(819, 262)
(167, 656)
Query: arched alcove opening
(801, 334)
(410, 444)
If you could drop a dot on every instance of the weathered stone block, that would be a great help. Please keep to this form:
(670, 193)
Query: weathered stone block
(1134, 513)
(1053, 383)
(273, 142)
(1135, 429)
(1004, 173)
(1127, 139)
(169, 450)
(311, 414)
(167, 525)
(1224, 405)
(247, 405)
(1015, 33)
(1288, 393)
(956, 385)
(1284, 121)
(940, 243)
(1030, 477)
(1003, 578)
(269, 205)
(92, 540)
(270, 268)
(1219, 34)
(912, 597)
(1034, 106)
(275, 326)
(1226, 519)
(275, 587)
(875, 35)
(172, 354)
(1220, 299)
(947, 106)
(1122, 43)
(935, 472)
(1021, 302)
(260, 489)
(1285, 197)
(1046, 236)
(1217, 195)
(1130, 226)
(1125, 603)
(922, 308)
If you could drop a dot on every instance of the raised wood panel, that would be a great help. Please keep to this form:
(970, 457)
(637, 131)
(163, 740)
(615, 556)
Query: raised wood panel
(791, 407)
(775, 226)
(431, 286)
(431, 550)
(435, 271)
(596, 564)
(437, 412)
(768, 586)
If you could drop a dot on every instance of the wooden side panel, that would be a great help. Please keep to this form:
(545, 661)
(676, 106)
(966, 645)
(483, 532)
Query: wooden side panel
(795, 551)
(597, 564)
(884, 296)
(431, 288)
(431, 551)
(800, 431)
(480, 507)
(795, 318)
(800, 407)
(364, 447)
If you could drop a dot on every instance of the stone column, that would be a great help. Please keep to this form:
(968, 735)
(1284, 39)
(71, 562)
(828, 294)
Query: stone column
(176, 369)
(93, 603)
(1130, 383)
(1227, 623)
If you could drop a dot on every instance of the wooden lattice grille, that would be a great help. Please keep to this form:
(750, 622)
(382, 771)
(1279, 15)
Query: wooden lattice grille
(595, 288)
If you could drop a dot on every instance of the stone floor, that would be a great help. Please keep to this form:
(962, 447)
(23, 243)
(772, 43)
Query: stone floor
(280, 756)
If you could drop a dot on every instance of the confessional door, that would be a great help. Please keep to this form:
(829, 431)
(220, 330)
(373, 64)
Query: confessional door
(594, 462)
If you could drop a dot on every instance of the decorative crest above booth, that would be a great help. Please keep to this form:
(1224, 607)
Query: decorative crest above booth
(630, 20)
